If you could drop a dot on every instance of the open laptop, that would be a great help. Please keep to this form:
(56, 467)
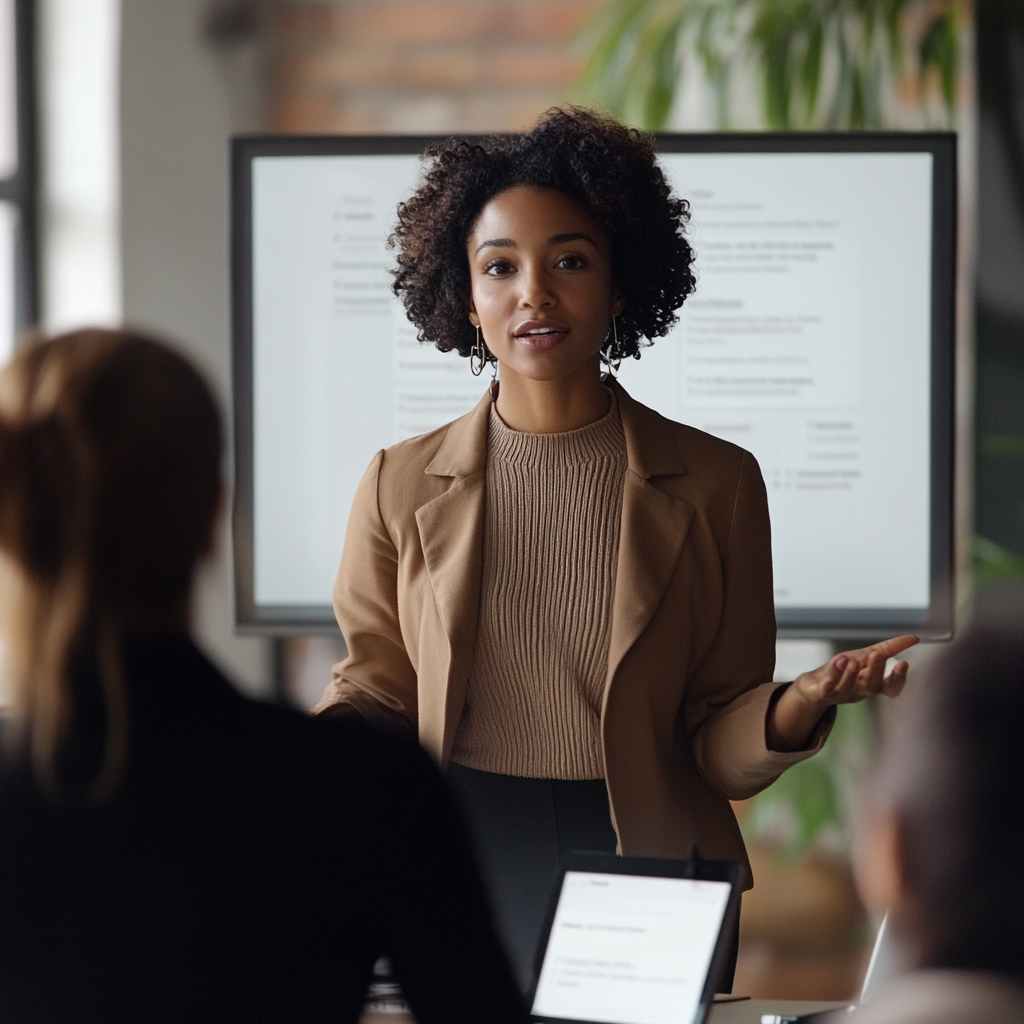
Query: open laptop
(882, 968)
(635, 940)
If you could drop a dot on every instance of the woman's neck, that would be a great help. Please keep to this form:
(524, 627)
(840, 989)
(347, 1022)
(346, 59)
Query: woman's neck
(552, 406)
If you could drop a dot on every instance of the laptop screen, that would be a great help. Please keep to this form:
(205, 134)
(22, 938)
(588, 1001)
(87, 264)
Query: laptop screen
(629, 949)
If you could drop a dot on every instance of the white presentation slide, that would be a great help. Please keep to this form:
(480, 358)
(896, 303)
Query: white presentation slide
(630, 949)
(807, 342)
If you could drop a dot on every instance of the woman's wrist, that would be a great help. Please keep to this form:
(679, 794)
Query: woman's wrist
(792, 720)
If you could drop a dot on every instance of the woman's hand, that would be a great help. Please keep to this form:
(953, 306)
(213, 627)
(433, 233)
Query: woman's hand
(845, 679)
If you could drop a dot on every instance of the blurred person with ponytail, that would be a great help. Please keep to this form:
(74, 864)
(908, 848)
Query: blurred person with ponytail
(169, 850)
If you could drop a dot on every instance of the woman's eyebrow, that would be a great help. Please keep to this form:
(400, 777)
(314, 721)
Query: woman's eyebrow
(510, 243)
(497, 243)
(572, 236)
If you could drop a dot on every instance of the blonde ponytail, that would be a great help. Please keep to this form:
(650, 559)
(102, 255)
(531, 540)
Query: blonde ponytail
(82, 562)
(47, 501)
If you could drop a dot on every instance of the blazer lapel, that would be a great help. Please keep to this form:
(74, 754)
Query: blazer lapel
(451, 536)
(654, 525)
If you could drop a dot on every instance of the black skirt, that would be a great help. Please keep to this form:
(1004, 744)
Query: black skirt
(520, 829)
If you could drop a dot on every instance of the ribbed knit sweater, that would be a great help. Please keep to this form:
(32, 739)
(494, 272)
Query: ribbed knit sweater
(553, 509)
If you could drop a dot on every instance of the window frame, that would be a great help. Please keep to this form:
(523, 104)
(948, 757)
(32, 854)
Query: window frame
(21, 189)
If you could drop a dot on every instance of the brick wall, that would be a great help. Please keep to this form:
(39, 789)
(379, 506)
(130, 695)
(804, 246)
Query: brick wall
(423, 66)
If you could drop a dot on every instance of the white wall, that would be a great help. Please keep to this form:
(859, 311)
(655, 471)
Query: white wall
(176, 118)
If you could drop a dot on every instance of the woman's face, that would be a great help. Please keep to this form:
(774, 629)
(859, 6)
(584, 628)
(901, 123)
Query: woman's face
(541, 279)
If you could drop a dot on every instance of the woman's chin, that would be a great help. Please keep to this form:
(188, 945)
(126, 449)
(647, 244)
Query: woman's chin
(551, 364)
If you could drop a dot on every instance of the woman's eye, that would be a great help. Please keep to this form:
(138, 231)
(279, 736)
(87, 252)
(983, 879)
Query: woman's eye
(571, 262)
(498, 268)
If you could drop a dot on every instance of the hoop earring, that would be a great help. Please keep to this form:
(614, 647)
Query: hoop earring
(477, 353)
(612, 354)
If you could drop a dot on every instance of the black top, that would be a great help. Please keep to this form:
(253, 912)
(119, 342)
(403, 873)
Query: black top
(253, 866)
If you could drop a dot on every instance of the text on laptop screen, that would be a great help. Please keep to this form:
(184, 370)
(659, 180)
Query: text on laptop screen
(630, 949)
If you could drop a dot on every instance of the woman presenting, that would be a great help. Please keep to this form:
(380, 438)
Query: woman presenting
(569, 595)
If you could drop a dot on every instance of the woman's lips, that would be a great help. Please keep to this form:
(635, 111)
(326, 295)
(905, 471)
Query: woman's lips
(540, 335)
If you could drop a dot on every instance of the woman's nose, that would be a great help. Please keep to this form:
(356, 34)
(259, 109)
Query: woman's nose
(536, 290)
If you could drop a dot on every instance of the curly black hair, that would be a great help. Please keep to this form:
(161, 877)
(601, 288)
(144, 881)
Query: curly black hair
(610, 170)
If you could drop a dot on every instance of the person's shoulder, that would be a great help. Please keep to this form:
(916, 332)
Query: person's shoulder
(415, 470)
(179, 690)
(944, 997)
(419, 451)
(710, 448)
(322, 769)
(415, 452)
(333, 744)
(699, 450)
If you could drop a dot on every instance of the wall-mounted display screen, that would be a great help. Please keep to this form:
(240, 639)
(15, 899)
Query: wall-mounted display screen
(820, 337)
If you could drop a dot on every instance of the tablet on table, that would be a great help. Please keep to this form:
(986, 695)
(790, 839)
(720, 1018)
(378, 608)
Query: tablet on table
(635, 940)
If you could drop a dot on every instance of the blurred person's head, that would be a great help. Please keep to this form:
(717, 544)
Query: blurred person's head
(110, 451)
(941, 848)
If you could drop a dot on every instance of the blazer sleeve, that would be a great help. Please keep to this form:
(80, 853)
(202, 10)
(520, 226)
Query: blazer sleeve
(377, 678)
(731, 693)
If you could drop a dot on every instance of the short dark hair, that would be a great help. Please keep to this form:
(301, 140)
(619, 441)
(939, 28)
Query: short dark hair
(610, 170)
(952, 769)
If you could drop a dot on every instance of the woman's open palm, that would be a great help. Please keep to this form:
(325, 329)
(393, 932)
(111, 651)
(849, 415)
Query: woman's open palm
(854, 675)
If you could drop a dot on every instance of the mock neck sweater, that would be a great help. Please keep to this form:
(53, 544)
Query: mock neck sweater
(552, 513)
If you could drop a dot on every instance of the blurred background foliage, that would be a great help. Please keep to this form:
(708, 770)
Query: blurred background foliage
(810, 805)
(816, 64)
(995, 564)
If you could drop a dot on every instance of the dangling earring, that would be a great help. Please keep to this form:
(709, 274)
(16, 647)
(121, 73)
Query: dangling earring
(477, 354)
(611, 354)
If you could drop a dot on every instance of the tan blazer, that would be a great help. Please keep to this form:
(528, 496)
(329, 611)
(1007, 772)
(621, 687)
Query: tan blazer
(693, 622)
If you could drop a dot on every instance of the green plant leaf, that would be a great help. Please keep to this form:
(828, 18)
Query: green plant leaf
(939, 50)
(810, 69)
(853, 50)
(993, 563)
(814, 796)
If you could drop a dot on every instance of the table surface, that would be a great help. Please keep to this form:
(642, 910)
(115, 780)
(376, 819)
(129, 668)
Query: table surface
(748, 1011)
(744, 1011)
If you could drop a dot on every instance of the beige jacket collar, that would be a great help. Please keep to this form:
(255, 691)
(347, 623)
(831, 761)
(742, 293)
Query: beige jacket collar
(654, 528)
(650, 447)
